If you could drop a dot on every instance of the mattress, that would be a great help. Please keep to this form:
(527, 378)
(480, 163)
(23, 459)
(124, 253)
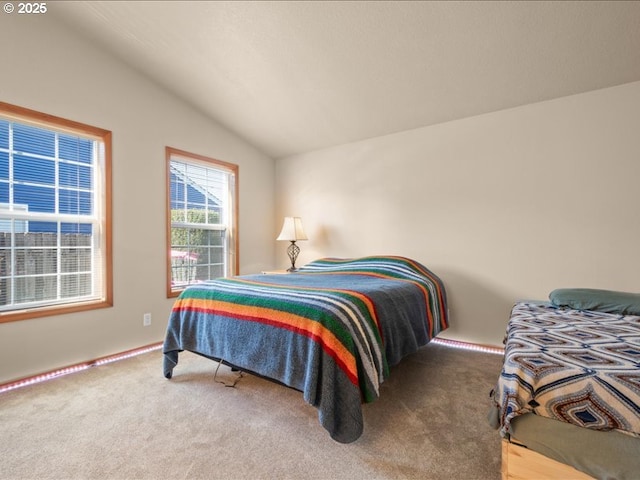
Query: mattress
(601, 454)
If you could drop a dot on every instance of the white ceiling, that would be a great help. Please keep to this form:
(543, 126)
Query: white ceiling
(292, 77)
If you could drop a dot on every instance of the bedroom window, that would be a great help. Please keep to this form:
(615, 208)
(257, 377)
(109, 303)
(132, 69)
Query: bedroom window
(202, 239)
(55, 220)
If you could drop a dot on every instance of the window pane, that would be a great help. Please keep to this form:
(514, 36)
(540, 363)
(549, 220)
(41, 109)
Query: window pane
(84, 240)
(42, 238)
(177, 190)
(45, 174)
(75, 285)
(197, 254)
(5, 255)
(35, 289)
(75, 260)
(74, 202)
(4, 194)
(35, 261)
(4, 166)
(77, 149)
(74, 175)
(34, 170)
(28, 139)
(4, 134)
(38, 199)
(198, 190)
(35, 227)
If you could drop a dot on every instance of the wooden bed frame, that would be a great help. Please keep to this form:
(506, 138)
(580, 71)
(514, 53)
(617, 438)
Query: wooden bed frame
(520, 463)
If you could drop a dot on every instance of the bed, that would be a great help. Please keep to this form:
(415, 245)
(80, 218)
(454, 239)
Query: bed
(331, 330)
(567, 402)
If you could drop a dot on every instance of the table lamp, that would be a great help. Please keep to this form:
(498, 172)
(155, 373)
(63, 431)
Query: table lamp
(292, 231)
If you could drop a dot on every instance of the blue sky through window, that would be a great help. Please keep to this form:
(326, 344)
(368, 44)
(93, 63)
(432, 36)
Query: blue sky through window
(44, 171)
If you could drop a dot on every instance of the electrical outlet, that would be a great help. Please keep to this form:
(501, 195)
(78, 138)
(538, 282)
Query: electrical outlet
(146, 319)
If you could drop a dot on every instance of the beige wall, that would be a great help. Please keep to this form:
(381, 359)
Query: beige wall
(52, 71)
(503, 206)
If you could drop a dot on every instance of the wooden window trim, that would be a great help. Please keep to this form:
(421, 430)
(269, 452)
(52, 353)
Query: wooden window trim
(232, 167)
(64, 125)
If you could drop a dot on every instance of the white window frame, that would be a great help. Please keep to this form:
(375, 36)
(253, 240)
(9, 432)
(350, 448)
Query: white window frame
(228, 224)
(100, 272)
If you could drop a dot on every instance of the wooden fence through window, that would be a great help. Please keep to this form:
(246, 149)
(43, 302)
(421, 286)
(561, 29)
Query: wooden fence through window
(32, 271)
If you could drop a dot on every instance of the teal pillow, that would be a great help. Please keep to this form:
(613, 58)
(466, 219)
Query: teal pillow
(608, 301)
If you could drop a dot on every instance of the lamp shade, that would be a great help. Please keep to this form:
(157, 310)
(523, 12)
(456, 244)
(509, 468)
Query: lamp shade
(292, 230)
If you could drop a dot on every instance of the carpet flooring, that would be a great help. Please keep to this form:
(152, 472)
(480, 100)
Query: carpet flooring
(124, 420)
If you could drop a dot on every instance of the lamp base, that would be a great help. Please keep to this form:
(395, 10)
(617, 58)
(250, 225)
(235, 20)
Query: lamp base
(293, 250)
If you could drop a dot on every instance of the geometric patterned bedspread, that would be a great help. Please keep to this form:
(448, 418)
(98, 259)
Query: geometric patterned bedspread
(576, 366)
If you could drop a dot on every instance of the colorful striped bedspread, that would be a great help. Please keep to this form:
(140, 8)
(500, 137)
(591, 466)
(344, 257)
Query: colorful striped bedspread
(330, 330)
(576, 366)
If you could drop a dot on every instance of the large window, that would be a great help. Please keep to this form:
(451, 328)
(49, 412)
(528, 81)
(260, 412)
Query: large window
(55, 221)
(202, 206)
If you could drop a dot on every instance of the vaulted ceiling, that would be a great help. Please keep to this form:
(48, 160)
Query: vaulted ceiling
(295, 76)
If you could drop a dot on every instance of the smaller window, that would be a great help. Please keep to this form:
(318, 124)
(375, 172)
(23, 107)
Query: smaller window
(202, 238)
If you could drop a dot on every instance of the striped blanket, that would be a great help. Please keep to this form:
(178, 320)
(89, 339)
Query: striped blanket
(330, 330)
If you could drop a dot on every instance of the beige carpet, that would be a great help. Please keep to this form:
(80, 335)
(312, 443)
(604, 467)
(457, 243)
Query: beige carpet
(126, 421)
